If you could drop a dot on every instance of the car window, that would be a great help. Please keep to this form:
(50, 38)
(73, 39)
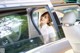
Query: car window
(14, 32)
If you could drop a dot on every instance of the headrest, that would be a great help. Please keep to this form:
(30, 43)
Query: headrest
(69, 18)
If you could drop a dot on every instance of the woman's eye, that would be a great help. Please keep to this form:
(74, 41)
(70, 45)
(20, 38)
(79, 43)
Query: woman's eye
(45, 17)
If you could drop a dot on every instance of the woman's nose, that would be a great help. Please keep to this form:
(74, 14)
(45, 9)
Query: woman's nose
(43, 19)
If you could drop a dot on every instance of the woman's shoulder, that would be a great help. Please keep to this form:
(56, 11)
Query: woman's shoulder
(44, 27)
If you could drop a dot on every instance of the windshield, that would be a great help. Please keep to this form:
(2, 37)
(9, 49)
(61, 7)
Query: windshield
(14, 32)
(13, 28)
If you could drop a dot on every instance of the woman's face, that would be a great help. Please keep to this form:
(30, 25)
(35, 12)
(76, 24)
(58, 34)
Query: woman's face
(45, 19)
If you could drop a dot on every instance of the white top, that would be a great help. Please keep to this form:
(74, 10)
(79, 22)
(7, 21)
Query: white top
(48, 30)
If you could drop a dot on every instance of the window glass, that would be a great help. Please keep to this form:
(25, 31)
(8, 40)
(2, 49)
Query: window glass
(60, 13)
(13, 28)
(14, 32)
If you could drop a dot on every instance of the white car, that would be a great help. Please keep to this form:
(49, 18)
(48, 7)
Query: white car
(23, 24)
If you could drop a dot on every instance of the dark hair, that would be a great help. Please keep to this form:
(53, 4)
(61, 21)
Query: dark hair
(49, 23)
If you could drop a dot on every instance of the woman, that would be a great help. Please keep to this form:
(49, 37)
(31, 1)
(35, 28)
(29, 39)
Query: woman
(46, 28)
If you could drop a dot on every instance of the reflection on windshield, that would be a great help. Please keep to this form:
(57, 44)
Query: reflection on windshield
(12, 27)
(8, 26)
(14, 37)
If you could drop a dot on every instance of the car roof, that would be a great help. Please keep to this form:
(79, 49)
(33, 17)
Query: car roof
(12, 3)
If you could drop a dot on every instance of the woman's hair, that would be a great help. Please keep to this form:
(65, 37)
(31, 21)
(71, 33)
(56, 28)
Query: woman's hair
(49, 19)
